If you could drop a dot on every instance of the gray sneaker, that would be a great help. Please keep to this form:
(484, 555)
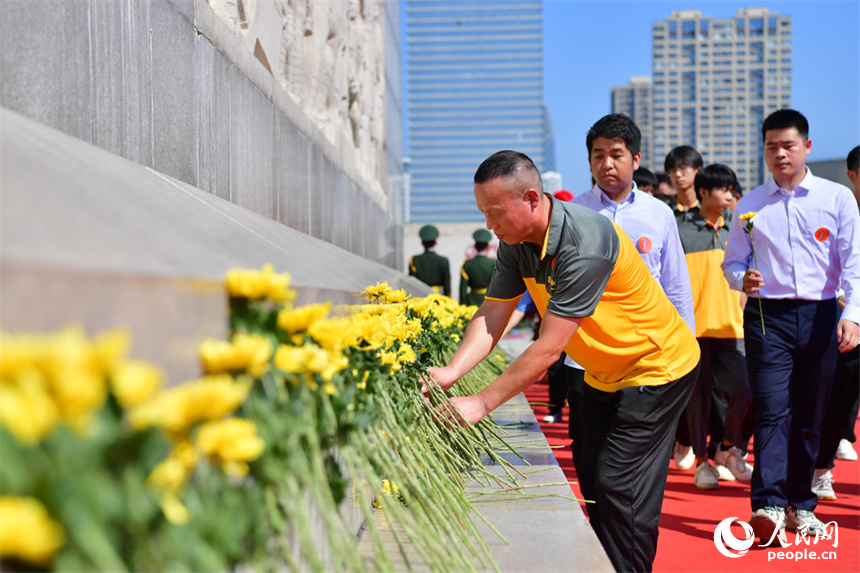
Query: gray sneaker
(768, 520)
(804, 521)
(822, 485)
(706, 476)
(733, 460)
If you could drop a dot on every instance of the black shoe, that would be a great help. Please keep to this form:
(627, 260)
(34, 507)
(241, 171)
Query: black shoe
(553, 418)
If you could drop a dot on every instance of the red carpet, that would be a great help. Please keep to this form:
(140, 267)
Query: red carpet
(691, 515)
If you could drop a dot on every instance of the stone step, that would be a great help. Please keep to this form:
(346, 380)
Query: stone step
(92, 238)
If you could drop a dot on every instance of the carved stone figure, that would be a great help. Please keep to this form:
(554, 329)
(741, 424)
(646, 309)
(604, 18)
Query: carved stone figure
(329, 58)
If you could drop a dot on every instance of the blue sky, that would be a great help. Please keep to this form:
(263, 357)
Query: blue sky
(592, 45)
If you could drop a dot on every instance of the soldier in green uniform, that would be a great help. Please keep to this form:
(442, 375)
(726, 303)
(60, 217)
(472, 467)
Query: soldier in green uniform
(431, 268)
(476, 272)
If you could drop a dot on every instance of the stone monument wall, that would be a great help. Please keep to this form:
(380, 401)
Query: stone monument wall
(290, 108)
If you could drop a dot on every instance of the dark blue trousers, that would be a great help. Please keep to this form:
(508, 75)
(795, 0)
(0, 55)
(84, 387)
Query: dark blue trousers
(790, 372)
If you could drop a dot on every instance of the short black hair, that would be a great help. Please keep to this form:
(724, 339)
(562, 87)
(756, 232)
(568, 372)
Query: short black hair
(786, 119)
(505, 164)
(644, 176)
(615, 126)
(715, 176)
(683, 156)
(663, 177)
(853, 160)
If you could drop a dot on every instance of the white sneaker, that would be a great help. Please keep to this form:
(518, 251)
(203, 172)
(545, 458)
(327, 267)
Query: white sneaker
(822, 485)
(685, 459)
(724, 474)
(845, 451)
(733, 460)
(804, 521)
(765, 521)
(706, 476)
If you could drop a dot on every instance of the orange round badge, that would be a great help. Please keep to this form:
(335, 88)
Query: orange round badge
(644, 244)
(821, 234)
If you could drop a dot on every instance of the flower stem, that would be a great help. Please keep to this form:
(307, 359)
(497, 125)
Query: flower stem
(755, 262)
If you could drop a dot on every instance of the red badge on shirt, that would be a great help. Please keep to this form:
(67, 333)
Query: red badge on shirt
(644, 245)
(821, 235)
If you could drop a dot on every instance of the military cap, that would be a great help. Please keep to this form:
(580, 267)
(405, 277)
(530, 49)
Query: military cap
(482, 236)
(428, 233)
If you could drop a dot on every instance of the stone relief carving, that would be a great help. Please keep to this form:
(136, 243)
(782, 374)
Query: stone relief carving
(329, 57)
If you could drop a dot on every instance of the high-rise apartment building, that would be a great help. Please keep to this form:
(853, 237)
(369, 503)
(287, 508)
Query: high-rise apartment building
(634, 101)
(715, 80)
(474, 86)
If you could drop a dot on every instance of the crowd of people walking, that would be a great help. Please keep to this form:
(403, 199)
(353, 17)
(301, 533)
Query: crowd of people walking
(683, 325)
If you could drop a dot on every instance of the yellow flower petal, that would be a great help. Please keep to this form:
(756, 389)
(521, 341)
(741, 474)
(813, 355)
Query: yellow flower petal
(27, 531)
(135, 381)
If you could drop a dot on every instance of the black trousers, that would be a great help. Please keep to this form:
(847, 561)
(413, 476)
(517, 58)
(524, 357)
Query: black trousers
(841, 412)
(557, 378)
(575, 429)
(790, 369)
(626, 445)
(723, 355)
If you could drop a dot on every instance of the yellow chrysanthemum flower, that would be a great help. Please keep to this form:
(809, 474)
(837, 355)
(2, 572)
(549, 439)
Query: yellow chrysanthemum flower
(747, 216)
(419, 305)
(294, 320)
(377, 291)
(372, 331)
(178, 408)
(76, 374)
(389, 359)
(290, 359)
(19, 352)
(27, 408)
(231, 443)
(246, 352)
(111, 348)
(397, 296)
(265, 283)
(335, 334)
(135, 381)
(27, 531)
(172, 473)
(69, 369)
(406, 354)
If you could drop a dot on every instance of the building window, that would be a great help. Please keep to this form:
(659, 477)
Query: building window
(756, 27)
(688, 29)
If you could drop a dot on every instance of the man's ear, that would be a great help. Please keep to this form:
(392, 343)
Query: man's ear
(532, 196)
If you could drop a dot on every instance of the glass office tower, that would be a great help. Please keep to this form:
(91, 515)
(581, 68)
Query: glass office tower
(474, 86)
(714, 82)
